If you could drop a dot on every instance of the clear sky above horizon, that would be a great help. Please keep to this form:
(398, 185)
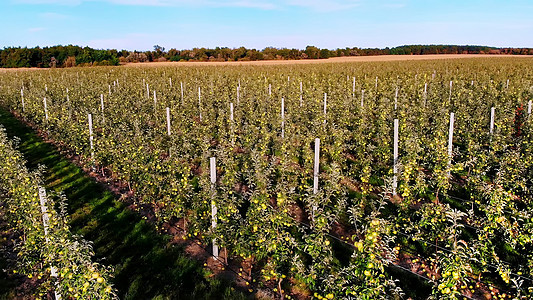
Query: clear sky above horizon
(185, 24)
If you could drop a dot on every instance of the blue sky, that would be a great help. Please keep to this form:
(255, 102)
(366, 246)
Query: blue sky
(184, 24)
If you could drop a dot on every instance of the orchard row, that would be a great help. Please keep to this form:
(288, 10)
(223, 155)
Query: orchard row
(446, 195)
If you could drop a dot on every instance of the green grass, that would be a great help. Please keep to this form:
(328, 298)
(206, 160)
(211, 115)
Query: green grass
(146, 265)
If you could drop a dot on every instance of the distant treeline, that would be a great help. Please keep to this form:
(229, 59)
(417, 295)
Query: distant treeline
(70, 56)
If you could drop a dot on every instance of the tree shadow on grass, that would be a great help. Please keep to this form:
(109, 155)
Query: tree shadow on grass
(146, 265)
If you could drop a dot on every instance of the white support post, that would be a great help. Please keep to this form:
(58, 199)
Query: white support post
(109, 87)
(181, 84)
(450, 141)
(44, 210)
(231, 112)
(102, 105)
(45, 109)
(168, 121)
(46, 218)
(22, 98)
(170, 81)
(68, 107)
(362, 97)
(301, 95)
(376, 82)
(155, 101)
(238, 94)
(91, 138)
(450, 97)
(199, 104)
(396, 99)
(231, 118)
(282, 117)
(325, 106)
(147, 91)
(395, 158)
(316, 171)
(353, 88)
(425, 93)
(492, 113)
(529, 107)
(507, 85)
(269, 89)
(213, 171)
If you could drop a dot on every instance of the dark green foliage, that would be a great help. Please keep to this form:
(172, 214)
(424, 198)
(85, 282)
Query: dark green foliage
(42, 57)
